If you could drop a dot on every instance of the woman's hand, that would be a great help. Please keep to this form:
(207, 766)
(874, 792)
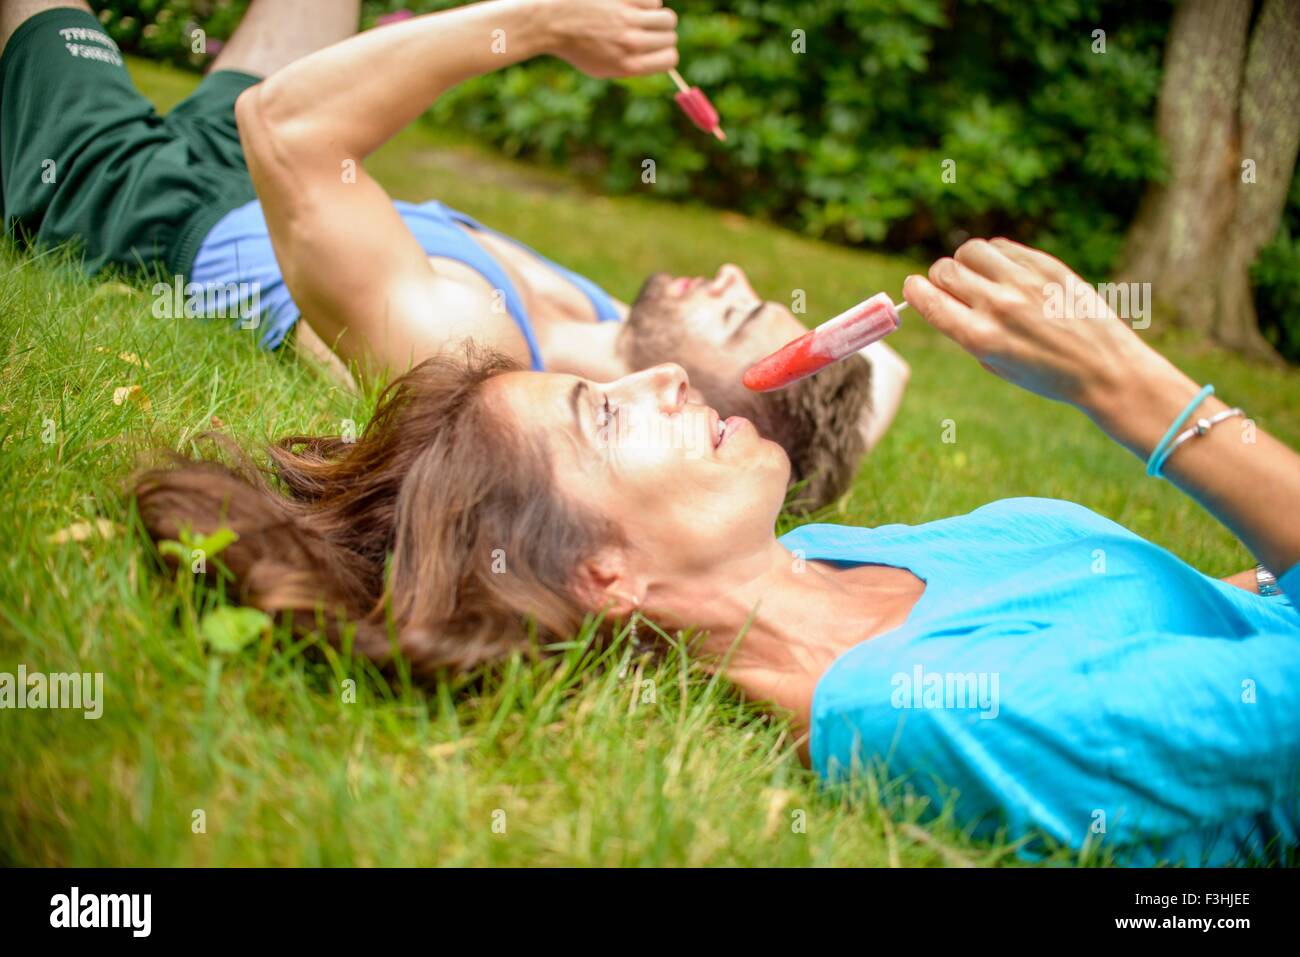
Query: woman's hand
(608, 38)
(1005, 304)
(1029, 319)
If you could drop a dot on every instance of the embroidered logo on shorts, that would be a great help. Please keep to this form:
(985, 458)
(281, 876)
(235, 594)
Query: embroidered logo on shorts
(78, 40)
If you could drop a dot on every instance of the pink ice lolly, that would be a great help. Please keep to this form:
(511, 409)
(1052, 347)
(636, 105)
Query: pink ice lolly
(835, 339)
(697, 106)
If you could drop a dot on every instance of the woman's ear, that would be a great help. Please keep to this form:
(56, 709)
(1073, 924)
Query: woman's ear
(604, 582)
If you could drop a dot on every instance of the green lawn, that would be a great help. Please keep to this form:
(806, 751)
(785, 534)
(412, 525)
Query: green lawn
(559, 763)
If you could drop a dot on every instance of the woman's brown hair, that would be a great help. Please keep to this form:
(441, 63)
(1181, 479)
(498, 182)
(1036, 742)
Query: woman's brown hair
(441, 522)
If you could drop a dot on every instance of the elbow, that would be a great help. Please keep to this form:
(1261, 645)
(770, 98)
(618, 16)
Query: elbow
(246, 106)
(249, 120)
(895, 373)
(279, 168)
(269, 138)
(904, 373)
(900, 369)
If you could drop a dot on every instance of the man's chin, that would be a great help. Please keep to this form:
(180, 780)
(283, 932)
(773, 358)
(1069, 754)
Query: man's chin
(653, 292)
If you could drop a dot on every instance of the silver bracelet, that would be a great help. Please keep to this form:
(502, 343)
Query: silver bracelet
(1266, 582)
(1200, 428)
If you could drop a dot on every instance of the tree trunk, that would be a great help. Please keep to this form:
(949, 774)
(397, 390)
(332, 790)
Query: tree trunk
(1270, 138)
(1225, 97)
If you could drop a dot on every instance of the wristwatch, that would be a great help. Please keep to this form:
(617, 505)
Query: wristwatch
(1266, 581)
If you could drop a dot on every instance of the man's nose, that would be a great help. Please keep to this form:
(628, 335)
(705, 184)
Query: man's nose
(728, 274)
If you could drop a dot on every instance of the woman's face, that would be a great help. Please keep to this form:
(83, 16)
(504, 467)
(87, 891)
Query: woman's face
(687, 490)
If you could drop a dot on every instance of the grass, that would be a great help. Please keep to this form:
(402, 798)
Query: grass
(563, 762)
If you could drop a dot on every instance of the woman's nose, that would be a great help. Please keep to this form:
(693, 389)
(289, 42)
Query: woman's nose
(667, 385)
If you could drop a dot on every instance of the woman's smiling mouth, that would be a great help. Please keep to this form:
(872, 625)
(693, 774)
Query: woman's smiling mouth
(728, 428)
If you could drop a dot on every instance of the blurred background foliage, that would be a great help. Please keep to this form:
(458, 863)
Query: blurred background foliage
(1052, 142)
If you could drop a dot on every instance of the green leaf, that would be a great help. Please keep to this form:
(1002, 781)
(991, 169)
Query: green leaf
(174, 548)
(229, 628)
(218, 541)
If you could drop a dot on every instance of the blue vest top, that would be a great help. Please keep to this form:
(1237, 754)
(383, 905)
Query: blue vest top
(238, 250)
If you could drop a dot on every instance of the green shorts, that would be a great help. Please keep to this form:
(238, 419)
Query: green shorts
(85, 158)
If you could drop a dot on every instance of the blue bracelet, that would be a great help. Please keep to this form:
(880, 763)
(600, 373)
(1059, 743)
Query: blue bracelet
(1162, 450)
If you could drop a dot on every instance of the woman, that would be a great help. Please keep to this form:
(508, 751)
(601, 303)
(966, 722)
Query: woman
(1138, 702)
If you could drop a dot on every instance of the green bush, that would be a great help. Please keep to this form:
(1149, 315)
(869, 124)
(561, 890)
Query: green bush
(1049, 142)
(164, 29)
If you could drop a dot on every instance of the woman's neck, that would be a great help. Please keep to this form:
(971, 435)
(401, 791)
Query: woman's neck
(797, 616)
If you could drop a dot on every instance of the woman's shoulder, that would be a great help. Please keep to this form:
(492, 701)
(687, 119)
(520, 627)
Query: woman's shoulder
(1037, 519)
(1049, 509)
(1026, 520)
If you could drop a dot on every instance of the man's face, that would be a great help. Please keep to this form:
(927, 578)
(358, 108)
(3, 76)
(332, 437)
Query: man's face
(717, 327)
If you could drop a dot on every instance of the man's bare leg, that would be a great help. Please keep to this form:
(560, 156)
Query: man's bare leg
(14, 12)
(274, 33)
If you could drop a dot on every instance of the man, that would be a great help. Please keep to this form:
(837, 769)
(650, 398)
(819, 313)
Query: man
(271, 195)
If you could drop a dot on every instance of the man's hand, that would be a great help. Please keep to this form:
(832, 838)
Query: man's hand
(609, 38)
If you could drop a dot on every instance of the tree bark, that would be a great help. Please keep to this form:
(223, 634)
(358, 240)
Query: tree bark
(1270, 137)
(1227, 95)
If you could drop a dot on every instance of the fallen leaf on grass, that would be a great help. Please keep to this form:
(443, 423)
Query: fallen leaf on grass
(131, 393)
(134, 359)
(80, 531)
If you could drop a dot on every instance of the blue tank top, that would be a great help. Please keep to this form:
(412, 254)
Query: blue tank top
(238, 251)
(1061, 675)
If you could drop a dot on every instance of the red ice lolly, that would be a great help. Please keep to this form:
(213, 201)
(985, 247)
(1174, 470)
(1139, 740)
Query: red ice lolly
(835, 339)
(697, 106)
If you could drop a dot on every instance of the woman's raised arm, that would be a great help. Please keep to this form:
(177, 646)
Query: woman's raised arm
(1002, 302)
